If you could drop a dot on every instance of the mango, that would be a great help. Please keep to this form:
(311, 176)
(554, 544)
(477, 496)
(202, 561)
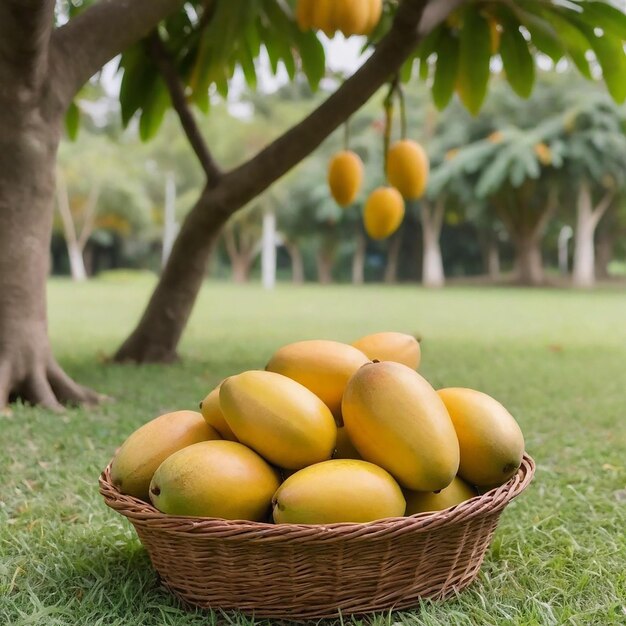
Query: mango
(425, 501)
(407, 168)
(323, 367)
(490, 440)
(375, 12)
(384, 212)
(338, 491)
(352, 16)
(345, 448)
(396, 419)
(345, 177)
(279, 418)
(390, 346)
(212, 413)
(142, 453)
(304, 14)
(215, 479)
(323, 16)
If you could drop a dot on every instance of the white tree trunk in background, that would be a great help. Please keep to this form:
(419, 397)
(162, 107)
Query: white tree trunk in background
(268, 250)
(170, 227)
(587, 218)
(358, 259)
(493, 259)
(76, 244)
(432, 261)
(393, 255)
(564, 236)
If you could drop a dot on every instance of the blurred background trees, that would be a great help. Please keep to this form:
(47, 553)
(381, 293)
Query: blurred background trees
(503, 185)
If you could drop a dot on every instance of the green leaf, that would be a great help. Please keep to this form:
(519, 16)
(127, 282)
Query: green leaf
(406, 71)
(72, 121)
(574, 41)
(607, 17)
(247, 65)
(543, 36)
(447, 69)
(313, 58)
(609, 51)
(426, 49)
(475, 56)
(137, 81)
(518, 62)
(157, 103)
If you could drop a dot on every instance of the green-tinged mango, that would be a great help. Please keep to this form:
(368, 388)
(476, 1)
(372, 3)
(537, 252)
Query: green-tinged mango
(143, 452)
(491, 442)
(396, 420)
(341, 490)
(424, 501)
(324, 367)
(390, 346)
(279, 418)
(215, 479)
(212, 413)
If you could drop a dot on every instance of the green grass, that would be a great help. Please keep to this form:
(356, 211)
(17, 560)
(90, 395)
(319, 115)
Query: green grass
(557, 359)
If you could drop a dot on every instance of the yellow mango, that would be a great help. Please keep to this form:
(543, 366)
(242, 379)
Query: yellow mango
(375, 12)
(407, 168)
(215, 479)
(304, 14)
(324, 367)
(396, 419)
(323, 16)
(212, 413)
(424, 501)
(490, 440)
(345, 177)
(278, 418)
(352, 16)
(338, 491)
(142, 453)
(384, 212)
(391, 346)
(345, 448)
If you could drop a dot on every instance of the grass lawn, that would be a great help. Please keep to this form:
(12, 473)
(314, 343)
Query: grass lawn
(556, 359)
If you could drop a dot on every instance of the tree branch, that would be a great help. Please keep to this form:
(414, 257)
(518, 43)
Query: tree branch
(602, 207)
(25, 27)
(167, 69)
(247, 181)
(101, 32)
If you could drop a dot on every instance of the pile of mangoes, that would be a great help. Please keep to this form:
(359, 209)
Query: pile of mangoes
(328, 432)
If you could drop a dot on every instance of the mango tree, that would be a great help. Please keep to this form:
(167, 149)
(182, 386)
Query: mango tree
(49, 51)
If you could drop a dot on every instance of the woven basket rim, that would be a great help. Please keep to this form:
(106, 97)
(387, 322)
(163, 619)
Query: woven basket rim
(147, 515)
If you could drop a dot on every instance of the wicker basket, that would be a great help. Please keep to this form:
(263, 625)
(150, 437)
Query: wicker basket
(301, 572)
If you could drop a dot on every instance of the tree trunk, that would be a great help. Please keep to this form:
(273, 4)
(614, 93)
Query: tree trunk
(28, 145)
(324, 260)
(493, 259)
(240, 266)
(393, 255)
(297, 262)
(268, 251)
(587, 218)
(604, 252)
(358, 259)
(74, 249)
(156, 337)
(77, 262)
(432, 263)
(529, 260)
